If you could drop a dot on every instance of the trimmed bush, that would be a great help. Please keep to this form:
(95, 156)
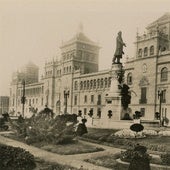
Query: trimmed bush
(15, 158)
(166, 159)
(137, 157)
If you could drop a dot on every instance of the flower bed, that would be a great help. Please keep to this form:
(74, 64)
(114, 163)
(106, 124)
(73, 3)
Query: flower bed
(127, 133)
(154, 143)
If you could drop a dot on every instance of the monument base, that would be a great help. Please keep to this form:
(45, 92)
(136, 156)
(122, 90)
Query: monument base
(113, 105)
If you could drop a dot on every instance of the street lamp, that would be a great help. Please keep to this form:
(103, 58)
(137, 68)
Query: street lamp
(23, 97)
(66, 95)
(160, 97)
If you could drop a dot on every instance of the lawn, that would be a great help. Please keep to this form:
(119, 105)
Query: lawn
(65, 149)
(109, 161)
(43, 165)
(71, 149)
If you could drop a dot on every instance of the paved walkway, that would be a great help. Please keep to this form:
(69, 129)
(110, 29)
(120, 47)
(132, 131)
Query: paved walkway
(72, 160)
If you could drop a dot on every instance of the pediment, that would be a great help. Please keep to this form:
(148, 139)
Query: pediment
(144, 81)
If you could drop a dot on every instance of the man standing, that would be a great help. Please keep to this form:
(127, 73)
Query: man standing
(119, 48)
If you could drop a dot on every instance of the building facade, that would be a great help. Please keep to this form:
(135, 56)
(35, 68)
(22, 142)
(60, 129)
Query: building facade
(75, 83)
(4, 104)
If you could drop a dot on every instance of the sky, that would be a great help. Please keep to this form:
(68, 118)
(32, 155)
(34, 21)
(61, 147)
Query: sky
(33, 30)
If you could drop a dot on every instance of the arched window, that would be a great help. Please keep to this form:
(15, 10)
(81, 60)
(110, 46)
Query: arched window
(101, 84)
(98, 83)
(145, 51)
(94, 85)
(84, 85)
(140, 53)
(88, 84)
(105, 82)
(109, 84)
(81, 85)
(75, 85)
(164, 74)
(129, 78)
(91, 84)
(152, 50)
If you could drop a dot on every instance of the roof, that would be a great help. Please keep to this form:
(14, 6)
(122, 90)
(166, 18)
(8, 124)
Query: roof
(163, 19)
(31, 64)
(79, 37)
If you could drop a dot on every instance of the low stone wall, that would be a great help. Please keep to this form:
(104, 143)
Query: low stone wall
(109, 124)
(121, 124)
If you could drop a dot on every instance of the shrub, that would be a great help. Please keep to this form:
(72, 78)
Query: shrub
(15, 158)
(81, 129)
(166, 159)
(137, 157)
(46, 129)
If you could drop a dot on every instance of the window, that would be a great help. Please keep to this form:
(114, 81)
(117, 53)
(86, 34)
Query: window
(81, 85)
(88, 84)
(84, 85)
(140, 53)
(164, 74)
(101, 84)
(92, 98)
(143, 99)
(85, 111)
(94, 85)
(75, 100)
(29, 102)
(75, 85)
(129, 78)
(152, 50)
(91, 84)
(99, 100)
(98, 83)
(42, 89)
(42, 101)
(164, 96)
(145, 51)
(110, 81)
(105, 82)
(85, 99)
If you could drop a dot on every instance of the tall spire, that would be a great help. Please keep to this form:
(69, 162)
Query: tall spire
(80, 28)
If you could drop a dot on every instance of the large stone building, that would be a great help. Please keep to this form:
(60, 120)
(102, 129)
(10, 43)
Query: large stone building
(75, 83)
(4, 104)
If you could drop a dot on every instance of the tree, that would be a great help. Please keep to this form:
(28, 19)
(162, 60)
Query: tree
(126, 97)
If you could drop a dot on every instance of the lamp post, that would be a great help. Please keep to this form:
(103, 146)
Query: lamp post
(23, 97)
(66, 95)
(160, 95)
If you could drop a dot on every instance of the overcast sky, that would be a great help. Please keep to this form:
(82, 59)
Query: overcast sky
(32, 30)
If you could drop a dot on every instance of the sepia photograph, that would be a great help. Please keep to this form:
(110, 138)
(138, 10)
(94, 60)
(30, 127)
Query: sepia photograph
(84, 85)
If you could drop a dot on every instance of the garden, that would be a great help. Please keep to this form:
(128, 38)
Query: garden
(55, 134)
(134, 147)
(64, 135)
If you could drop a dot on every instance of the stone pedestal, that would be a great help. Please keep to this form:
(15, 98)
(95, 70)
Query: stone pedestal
(113, 98)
